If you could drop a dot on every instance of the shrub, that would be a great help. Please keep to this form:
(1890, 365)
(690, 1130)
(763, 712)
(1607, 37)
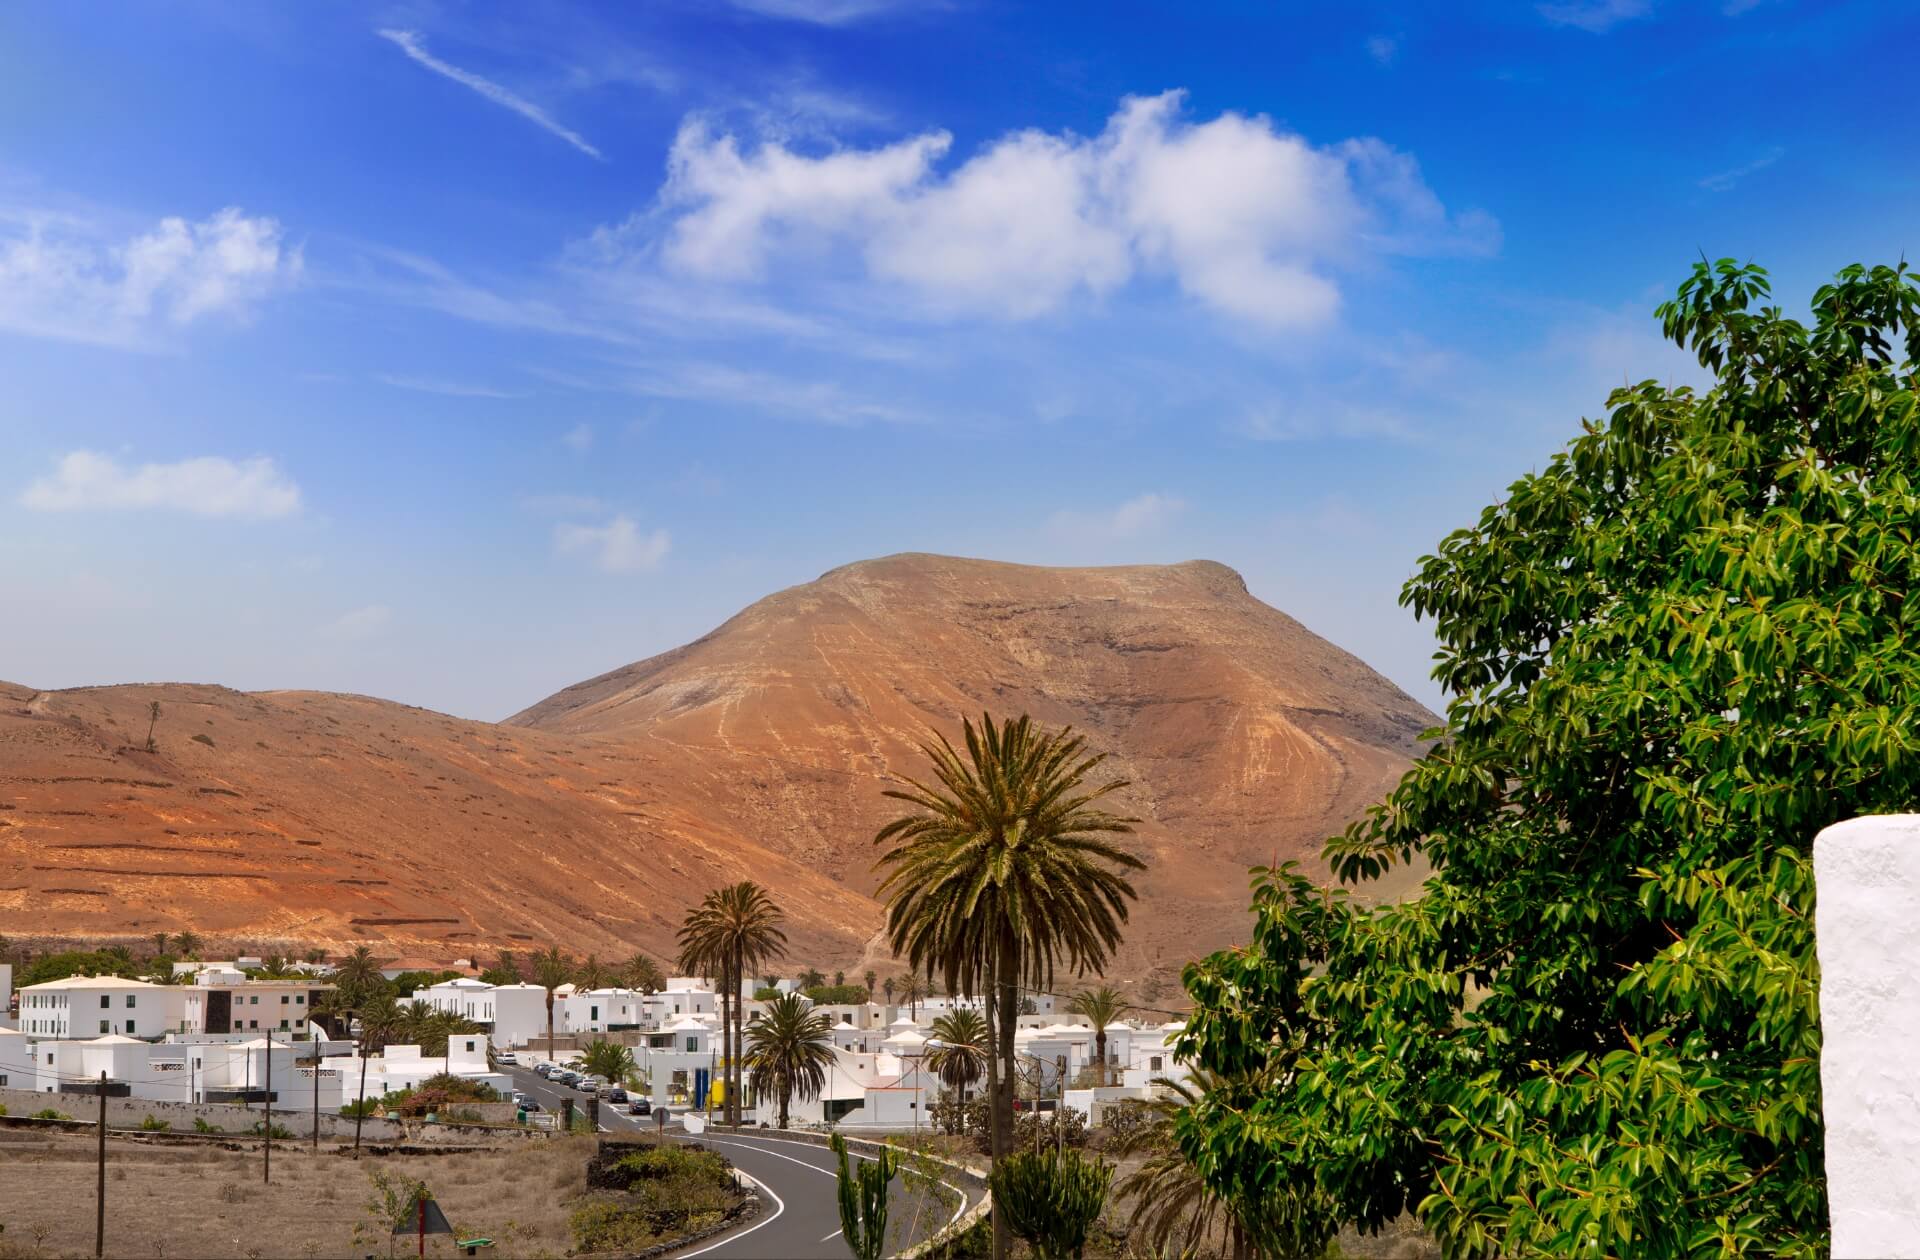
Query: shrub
(1029, 1128)
(203, 739)
(200, 1125)
(838, 994)
(280, 1131)
(48, 1113)
(362, 1107)
(765, 995)
(153, 1124)
(672, 1161)
(1050, 1200)
(1125, 1119)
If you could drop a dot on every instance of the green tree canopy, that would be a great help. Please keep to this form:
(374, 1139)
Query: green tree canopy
(1673, 656)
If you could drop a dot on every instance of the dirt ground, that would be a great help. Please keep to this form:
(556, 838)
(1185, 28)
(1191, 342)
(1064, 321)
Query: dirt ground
(176, 1201)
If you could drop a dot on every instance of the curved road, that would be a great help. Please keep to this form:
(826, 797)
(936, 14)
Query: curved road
(801, 1217)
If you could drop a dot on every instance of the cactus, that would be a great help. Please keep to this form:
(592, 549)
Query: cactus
(863, 1200)
(1051, 1200)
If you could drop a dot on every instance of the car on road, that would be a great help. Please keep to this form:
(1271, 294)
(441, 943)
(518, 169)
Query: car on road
(505, 1056)
(615, 1094)
(543, 1069)
(568, 1077)
(592, 1084)
(640, 1107)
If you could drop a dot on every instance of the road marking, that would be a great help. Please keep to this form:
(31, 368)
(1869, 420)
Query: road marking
(779, 1206)
(830, 1237)
(958, 1193)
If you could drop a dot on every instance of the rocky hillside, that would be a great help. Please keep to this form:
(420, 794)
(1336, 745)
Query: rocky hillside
(596, 816)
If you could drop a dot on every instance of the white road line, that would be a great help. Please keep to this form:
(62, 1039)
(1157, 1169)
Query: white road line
(958, 1193)
(779, 1206)
(830, 1237)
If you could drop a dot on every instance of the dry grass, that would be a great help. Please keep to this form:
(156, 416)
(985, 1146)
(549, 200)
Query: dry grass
(172, 1201)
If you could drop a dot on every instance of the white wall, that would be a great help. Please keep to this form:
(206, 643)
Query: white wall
(1867, 931)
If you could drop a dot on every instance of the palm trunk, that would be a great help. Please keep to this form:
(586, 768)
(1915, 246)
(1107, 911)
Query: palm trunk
(1007, 1009)
(360, 1103)
(734, 1068)
(549, 1023)
(1100, 1049)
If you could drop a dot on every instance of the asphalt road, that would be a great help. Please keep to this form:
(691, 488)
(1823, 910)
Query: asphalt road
(801, 1220)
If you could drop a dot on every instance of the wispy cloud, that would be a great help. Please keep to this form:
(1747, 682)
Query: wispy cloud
(1722, 181)
(562, 504)
(409, 43)
(1138, 517)
(616, 547)
(1597, 16)
(822, 400)
(452, 389)
(1383, 48)
(209, 485)
(578, 438)
(360, 624)
(60, 279)
(828, 12)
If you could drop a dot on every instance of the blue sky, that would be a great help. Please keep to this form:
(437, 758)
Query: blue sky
(453, 353)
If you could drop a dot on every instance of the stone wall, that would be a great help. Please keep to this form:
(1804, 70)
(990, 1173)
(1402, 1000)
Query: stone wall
(127, 1113)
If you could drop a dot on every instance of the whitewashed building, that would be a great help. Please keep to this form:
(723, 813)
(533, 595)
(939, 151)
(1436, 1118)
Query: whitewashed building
(95, 1006)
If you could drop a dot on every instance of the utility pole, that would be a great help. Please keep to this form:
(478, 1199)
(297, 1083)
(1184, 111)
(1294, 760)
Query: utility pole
(266, 1129)
(1059, 1118)
(316, 1098)
(100, 1189)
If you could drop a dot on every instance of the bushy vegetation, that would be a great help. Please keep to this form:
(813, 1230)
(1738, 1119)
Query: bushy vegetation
(1674, 655)
(838, 994)
(669, 1192)
(154, 1124)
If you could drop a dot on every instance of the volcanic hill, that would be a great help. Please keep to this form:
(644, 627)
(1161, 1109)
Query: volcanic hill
(595, 817)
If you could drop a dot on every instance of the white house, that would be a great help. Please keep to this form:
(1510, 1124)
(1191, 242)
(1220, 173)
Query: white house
(94, 1006)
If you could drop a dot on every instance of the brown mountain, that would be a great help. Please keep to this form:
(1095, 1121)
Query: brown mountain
(596, 816)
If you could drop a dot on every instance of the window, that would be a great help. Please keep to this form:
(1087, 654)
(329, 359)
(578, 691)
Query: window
(1153, 1064)
(104, 1029)
(593, 1012)
(253, 1024)
(469, 1047)
(129, 1001)
(283, 999)
(105, 1001)
(3, 1080)
(693, 1044)
(129, 1028)
(254, 1000)
(299, 999)
(283, 1023)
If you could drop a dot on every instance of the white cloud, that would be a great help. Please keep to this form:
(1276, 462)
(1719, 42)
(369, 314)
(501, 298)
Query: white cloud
(579, 438)
(562, 504)
(822, 12)
(361, 623)
(1248, 219)
(617, 547)
(1723, 181)
(452, 389)
(1383, 48)
(822, 400)
(1138, 517)
(207, 486)
(1597, 16)
(59, 279)
(409, 43)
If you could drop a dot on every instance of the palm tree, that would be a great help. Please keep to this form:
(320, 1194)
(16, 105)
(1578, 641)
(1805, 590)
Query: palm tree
(609, 1059)
(314, 956)
(153, 717)
(888, 987)
(550, 971)
(1102, 1008)
(790, 1047)
(377, 1020)
(870, 978)
(1001, 870)
(912, 989)
(593, 974)
(508, 967)
(1174, 1210)
(119, 960)
(332, 1010)
(160, 940)
(644, 974)
(186, 944)
(810, 979)
(959, 1056)
(358, 976)
(275, 967)
(730, 933)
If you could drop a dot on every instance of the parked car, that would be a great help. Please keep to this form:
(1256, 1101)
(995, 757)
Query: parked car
(616, 1095)
(505, 1056)
(518, 1099)
(543, 1069)
(592, 1084)
(640, 1107)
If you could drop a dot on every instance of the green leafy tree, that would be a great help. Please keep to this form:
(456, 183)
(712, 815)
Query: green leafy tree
(1103, 1008)
(1002, 869)
(729, 934)
(789, 1048)
(811, 978)
(912, 989)
(1673, 656)
(1051, 1200)
(505, 969)
(592, 973)
(187, 944)
(960, 1045)
(862, 1187)
(870, 978)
